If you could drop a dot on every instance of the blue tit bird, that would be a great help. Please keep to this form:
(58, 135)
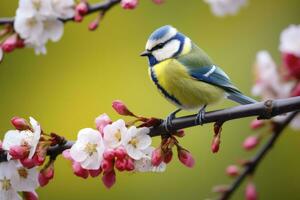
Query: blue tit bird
(185, 75)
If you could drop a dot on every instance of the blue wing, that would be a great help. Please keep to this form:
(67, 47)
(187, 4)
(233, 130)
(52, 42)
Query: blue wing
(216, 76)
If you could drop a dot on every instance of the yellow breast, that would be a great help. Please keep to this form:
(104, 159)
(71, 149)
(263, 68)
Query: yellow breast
(184, 91)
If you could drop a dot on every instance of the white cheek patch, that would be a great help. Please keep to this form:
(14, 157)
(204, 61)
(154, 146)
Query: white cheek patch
(167, 51)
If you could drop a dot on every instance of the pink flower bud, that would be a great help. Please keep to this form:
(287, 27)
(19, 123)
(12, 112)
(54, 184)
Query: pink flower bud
(93, 25)
(121, 164)
(42, 180)
(120, 153)
(102, 121)
(186, 158)
(109, 154)
(109, 179)
(48, 173)
(250, 192)
(215, 145)
(107, 165)
(30, 196)
(20, 123)
(19, 152)
(168, 156)
(129, 164)
(20, 43)
(78, 17)
(79, 171)
(9, 44)
(28, 163)
(255, 124)
(232, 170)
(82, 8)
(158, 1)
(38, 159)
(292, 64)
(129, 4)
(157, 157)
(95, 173)
(121, 108)
(251, 142)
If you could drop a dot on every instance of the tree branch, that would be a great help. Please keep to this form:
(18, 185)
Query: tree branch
(102, 6)
(255, 161)
(264, 110)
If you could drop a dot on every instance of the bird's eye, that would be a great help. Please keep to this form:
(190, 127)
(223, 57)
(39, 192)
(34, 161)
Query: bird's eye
(160, 45)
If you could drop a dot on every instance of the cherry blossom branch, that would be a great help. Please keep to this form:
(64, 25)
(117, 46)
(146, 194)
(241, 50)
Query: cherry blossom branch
(264, 110)
(92, 8)
(256, 160)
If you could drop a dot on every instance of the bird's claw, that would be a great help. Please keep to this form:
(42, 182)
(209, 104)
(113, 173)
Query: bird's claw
(200, 116)
(168, 122)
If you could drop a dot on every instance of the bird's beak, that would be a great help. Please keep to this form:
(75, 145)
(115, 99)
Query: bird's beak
(145, 53)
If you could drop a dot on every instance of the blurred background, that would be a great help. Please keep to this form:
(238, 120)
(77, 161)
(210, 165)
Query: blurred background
(83, 73)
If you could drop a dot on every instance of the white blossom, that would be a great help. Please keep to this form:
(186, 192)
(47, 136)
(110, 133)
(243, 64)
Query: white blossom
(7, 189)
(88, 149)
(145, 165)
(290, 40)
(38, 21)
(25, 179)
(114, 134)
(29, 138)
(225, 7)
(136, 140)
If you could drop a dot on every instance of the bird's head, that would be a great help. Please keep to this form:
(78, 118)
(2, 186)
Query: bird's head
(165, 43)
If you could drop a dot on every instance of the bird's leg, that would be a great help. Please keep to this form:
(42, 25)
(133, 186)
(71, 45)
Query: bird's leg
(200, 115)
(168, 121)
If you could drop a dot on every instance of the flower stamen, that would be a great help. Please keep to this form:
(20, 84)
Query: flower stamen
(90, 148)
(6, 185)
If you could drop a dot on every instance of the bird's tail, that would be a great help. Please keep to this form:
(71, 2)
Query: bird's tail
(240, 98)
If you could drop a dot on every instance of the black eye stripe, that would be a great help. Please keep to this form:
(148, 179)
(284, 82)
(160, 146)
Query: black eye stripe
(158, 46)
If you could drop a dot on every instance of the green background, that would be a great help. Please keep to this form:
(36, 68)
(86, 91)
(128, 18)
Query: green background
(84, 72)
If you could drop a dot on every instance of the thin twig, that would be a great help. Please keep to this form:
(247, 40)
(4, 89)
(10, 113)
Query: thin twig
(102, 6)
(256, 160)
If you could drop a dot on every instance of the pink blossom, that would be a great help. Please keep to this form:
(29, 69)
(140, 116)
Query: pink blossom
(232, 170)
(30, 196)
(79, 171)
(10, 44)
(107, 165)
(121, 164)
(215, 146)
(20, 123)
(121, 108)
(66, 154)
(95, 173)
(43, 180)
(19, 152)
(255, 124)
(109, 179)
(157, 157)
(129, 4)
(82, 8)
(109, 154)
(28, 163)
(251, 142)
(291, 63)
(168, 156)
(101, 121)
(129, 164)
(38, 159)
(186, 158)
(250, 192)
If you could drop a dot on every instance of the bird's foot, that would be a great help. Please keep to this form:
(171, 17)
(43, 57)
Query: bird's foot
(168, 122)
(200, 116)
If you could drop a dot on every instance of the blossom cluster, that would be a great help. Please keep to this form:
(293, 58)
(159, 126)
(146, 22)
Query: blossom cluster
(120, 146)
(109, 147)
(38, 21)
